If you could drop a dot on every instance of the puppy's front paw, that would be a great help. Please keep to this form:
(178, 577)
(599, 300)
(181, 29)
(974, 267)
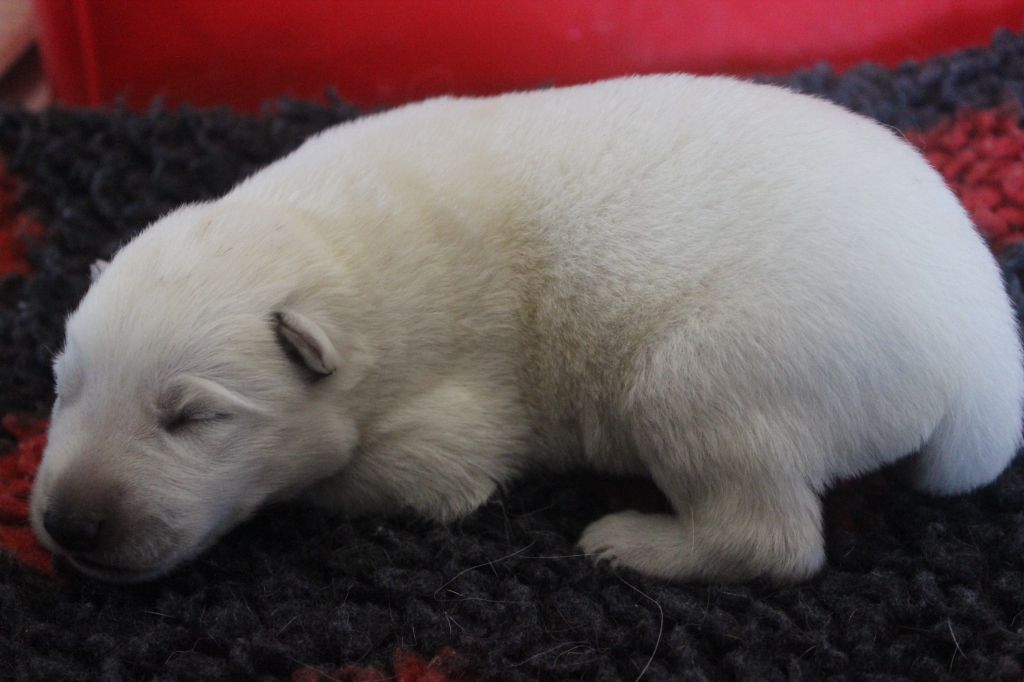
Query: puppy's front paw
(96, 269)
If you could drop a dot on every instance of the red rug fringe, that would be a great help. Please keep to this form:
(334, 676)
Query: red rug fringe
(16, 231)
(17, 469)
(981, 156)
(408, 667)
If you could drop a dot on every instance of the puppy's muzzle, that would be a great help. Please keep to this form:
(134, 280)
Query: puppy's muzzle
(73, 532)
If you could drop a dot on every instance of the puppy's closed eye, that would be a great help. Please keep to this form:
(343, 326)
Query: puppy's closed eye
(192, 416)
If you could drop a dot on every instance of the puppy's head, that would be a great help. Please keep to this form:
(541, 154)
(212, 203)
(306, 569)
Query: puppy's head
(202, 375)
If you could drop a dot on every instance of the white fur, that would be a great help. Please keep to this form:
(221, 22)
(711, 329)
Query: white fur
(744, 292)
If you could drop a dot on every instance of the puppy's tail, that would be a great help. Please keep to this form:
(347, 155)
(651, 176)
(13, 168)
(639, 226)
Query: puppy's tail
(976, 439)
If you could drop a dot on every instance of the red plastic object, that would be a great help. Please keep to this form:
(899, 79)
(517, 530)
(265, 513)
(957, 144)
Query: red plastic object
(383, 52)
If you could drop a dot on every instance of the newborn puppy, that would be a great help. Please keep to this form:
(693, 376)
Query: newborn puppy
(741, 292)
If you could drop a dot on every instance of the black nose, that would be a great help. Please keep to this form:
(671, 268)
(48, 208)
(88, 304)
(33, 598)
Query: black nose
(73, 533)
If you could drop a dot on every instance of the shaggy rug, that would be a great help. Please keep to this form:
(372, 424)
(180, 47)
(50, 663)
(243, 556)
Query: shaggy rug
(915, 588)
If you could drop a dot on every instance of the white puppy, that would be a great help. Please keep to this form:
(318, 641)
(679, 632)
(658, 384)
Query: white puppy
(743, 292)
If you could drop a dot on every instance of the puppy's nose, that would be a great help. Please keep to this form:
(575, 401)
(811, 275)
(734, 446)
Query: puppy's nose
(73, 533)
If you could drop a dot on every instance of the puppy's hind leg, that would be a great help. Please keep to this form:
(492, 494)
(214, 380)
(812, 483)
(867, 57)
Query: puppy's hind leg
(731, 522)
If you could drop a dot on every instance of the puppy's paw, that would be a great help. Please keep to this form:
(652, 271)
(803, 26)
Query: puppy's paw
(96, 269)
(621, 539)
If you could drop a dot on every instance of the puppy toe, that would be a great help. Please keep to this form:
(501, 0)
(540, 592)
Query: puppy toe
(618, 539)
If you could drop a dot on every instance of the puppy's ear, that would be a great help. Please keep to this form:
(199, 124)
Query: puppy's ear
(306, 342)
